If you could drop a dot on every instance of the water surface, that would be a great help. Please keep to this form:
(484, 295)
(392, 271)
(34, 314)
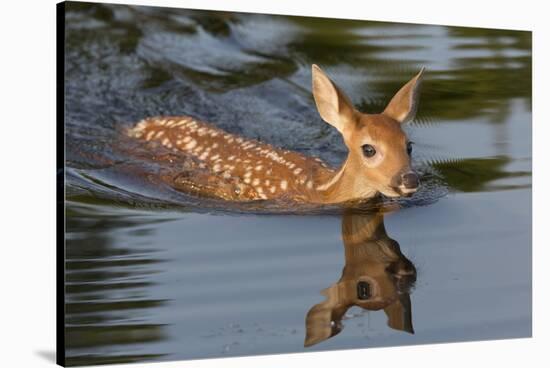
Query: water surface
(154, 274)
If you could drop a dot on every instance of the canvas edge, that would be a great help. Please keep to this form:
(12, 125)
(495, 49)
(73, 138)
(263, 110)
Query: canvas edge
(60, 184)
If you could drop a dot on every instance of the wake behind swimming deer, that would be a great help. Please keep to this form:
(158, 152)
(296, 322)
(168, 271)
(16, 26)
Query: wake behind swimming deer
(235, 168)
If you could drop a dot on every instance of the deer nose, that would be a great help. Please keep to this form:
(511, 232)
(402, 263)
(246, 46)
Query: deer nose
(410, 180)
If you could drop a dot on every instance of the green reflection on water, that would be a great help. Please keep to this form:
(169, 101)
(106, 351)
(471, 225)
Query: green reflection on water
(106, 289)
(474, 175)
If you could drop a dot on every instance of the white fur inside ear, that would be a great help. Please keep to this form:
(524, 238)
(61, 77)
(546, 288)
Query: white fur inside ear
(326, 97)
(404, 104)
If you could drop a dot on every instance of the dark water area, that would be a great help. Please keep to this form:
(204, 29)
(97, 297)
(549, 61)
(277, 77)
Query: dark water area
(156, 274)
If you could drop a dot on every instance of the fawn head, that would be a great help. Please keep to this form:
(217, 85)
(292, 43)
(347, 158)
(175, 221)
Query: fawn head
(379, 156)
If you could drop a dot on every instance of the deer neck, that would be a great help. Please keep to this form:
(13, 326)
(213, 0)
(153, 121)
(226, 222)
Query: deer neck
(344, 186)
(365, 238)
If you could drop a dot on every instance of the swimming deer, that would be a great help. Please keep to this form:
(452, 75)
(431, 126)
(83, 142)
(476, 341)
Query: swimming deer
(223, 165)
(376, 276)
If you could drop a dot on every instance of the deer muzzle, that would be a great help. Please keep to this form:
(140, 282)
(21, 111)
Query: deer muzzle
(407, 183)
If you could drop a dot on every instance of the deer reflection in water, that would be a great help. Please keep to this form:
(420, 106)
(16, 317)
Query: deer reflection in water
(376, 275)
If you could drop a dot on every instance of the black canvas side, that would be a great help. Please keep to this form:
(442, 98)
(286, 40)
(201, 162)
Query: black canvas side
(60, 184)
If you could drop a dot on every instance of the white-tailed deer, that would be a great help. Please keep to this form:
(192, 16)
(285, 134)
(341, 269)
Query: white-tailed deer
(376, 276)
(235, 168)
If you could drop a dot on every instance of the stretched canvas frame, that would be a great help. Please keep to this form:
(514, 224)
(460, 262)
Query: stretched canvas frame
(482, 175)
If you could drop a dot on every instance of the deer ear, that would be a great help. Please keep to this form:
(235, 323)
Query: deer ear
(333, 105)
(404, 104)
(399, 314)
(324, 319)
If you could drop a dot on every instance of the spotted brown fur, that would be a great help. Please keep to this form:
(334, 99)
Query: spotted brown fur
(229, 166)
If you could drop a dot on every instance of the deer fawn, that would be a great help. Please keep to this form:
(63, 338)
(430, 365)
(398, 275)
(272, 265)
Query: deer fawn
(226, 166)
(376, 276)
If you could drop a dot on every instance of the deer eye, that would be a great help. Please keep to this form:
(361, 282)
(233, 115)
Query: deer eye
(363, 290)
(368, 150)
(409, 147)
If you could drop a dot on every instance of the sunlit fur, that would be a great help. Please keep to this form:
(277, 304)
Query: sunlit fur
(240, 169)
(236, 168)
(379, 174)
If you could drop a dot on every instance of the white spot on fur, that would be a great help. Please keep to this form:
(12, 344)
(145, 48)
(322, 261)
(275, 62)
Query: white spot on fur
(260, 192)
(141, 125)
(191, 144)
(284, 184)
(297, 171)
